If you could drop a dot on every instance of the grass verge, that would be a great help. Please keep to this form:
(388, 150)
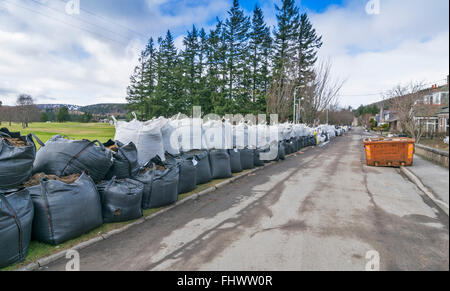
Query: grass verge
(74, 130)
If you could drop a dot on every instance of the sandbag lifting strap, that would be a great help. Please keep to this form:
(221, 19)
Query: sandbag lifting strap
(82, 151)
(17, 221)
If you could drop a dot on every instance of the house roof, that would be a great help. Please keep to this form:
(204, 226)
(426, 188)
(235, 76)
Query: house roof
(426, 110)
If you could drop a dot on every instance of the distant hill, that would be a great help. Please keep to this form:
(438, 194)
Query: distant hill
(106, 109)
(96, 109)
(57, 106)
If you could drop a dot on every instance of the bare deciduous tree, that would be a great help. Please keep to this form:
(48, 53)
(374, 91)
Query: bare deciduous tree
(337, 115)
(281, 93)
(322, 93)
(26, 109)
(411, 112)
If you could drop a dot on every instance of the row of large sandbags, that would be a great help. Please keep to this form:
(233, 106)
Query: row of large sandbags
(54, 211)
(159, 135)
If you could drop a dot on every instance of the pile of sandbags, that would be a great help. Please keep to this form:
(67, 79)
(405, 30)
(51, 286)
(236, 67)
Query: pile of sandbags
(16, 219)
(121, 199)
(146, 136)
(247, 159)
(62, 157)
(160, 184)
(235, 160)
(65, 211)
(17, 155)
(200, 159)
(125, 164)
(220, 164)
(188, 173)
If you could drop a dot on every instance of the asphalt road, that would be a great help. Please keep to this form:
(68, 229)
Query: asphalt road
(320, 210)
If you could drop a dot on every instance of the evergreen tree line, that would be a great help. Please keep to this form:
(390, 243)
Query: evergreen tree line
(228, 70)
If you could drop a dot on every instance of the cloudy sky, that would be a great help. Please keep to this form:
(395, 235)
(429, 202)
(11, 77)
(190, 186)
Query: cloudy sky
(87, 58)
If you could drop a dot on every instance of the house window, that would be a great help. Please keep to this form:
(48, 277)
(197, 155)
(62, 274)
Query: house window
(437, 98)
(444, 98)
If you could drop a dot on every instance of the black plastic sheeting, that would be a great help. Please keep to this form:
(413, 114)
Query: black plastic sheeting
(235, 160)
(257, 160)
(188, 172)
(62, 157)
(160, 186)
(16, 163)
(247, 159)
(287, 147)
(202, 167)
(65, 211)
(220, 164)
(125, 163)
(121, 199)
(16, 219)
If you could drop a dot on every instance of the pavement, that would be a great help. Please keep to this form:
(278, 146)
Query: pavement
(321, 210)
(434, 177)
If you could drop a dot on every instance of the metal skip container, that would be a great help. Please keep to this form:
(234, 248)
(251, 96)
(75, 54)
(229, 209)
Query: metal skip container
(389, 152)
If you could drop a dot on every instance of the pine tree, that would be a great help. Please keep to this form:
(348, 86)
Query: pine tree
(137, 94)
(216, 77)
(236, 36)
(285, 35)
(259, 48)
(308, 44)
(169, 97)
(150, 76)
(191, 73)
(204, 92)
(142, 83)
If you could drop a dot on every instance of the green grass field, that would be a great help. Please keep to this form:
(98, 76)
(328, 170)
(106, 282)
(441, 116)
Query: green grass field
(44, 131)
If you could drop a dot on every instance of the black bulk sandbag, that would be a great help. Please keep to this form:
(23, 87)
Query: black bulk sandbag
(301, 142)
(281, 151)
(121, 199)
(297, 144)
(287, 148)
(16, 162)
(292, 146)
(202, 166)
(247, 159)
(125, 163)
(235, 160)
(220, 164)
(160, 185)
(257, 158)
(62, 157)
(188, 173)
(65, 211)
(16, 219)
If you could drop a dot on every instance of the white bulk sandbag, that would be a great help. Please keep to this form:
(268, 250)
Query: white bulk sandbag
(263, 135)
(240, 135)
(217, 135)
(171, 141)
(252, 136)
(146, 136)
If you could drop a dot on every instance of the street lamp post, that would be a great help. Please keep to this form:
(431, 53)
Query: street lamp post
(299, 109)
(295, 118)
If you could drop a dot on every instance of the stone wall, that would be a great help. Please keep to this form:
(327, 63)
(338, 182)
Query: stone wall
(437, 156)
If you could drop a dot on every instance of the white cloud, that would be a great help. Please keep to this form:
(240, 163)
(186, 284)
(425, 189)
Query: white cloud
(407, 41)
(52, 56)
